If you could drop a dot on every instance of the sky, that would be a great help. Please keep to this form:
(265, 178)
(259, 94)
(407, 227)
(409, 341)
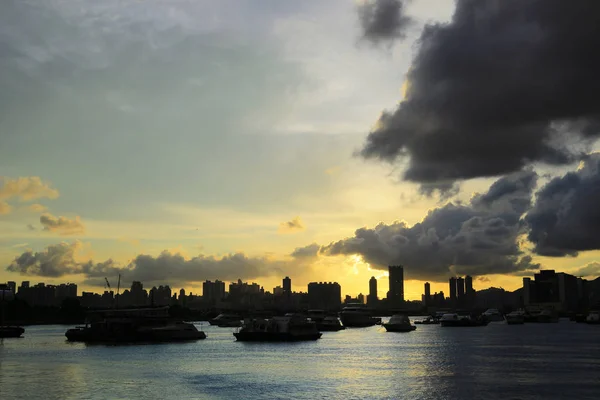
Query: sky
(174, 141)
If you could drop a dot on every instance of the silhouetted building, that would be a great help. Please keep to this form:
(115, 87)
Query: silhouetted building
(452, 289)
(287, 285)
(324, 295)
(427, 294)
(213, 292)
(361, 298)
(372, 297)
(562, 291)
(469, 285)
(460, 288)
(65, 291)
(396, 277)
(12, 286)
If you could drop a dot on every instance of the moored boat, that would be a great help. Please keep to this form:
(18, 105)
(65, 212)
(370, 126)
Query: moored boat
(11, 331)
(226, 321)
(493, 315)
(399, 323)
(289, 328)
(357, 315)
(515, 318)
(330, 324)
(134, 325)
(427, 321)
(593, 318)
(455, 320)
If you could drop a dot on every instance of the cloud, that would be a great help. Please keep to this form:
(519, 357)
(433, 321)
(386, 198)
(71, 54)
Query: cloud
(503, 85)
(168, 267)
(309, 251)
(291, 226)
(5, 208)
(62, 225)
(26, 188)
(565, 218)
(38, 208)
(590, 270)
(383, 20)
(477, 239)
(54, 261)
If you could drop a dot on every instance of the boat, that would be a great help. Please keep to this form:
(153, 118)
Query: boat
(357, 315)
(493, 315)
(515, 318)
(11, 331)
(330, 324)
(593, 318)
(399, 323)
(226, 321)
(427, 321)
(547, 316)
(8, 331)
(455, 320)
(134, 325)
(289, 328)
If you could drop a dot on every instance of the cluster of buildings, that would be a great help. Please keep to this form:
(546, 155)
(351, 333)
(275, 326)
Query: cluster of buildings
(561, 291)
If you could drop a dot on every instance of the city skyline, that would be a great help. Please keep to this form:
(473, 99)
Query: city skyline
(283, 142)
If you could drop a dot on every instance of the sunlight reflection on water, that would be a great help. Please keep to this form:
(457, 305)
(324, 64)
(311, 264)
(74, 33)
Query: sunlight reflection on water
(495, 362)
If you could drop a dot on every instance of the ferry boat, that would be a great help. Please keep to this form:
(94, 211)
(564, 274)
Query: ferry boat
(515, 318)
(493, 315)
(226, 321)
(455, 320)
(134, 325)
(399, 323)
(358, 315)
(289, 328)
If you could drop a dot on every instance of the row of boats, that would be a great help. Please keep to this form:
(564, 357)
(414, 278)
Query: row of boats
(156, 325)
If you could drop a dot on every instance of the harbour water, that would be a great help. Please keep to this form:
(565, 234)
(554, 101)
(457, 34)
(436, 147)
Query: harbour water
(531, 361)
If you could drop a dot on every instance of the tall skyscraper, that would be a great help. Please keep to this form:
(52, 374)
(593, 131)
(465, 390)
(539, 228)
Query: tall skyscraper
(453, 289)
(396, 276)
(460, 288)
(287, 285)
(469, 285)
(427, 294)
(372, 297)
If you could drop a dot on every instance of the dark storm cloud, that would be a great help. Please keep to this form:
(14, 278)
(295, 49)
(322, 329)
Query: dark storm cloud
(478, 239)
(383, 20)
(56, 260)
(504, 84)
(309, 251)
(566, 216)
(60, 259)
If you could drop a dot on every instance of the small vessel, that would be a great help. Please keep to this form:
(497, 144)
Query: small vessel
(427, 321)
(330, 324)
(547, 316)
(358, 315)
(226, 321)
(399, 323)
(455, 320)
(593, 318)
(134, 325)
(11, 331)
(493, 315)
(289, 328)
(515, 318)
